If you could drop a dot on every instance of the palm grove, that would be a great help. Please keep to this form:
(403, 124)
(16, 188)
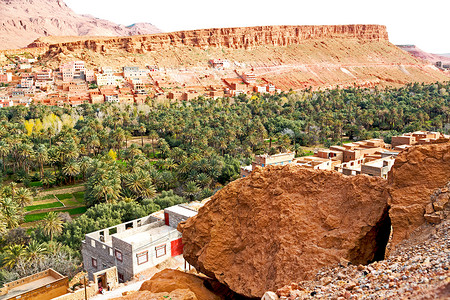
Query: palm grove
(180, 152)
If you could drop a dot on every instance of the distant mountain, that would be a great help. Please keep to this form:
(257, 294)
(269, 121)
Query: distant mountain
(419, 53)
(23, 21)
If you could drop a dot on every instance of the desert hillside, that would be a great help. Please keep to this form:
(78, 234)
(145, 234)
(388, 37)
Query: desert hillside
(287, 56)
(23, 21)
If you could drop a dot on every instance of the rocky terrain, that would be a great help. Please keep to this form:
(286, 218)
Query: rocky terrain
(23, 21)
(290, 57)
(417, 269)
(178, 285)
(283, 224)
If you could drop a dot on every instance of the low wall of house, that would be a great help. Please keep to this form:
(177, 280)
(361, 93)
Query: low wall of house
(91, 290)
(49, 291)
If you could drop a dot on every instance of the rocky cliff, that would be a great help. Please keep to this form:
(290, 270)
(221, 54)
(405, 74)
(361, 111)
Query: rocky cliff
(290, 57)
(234, 38)
(281, 223)
(416, 174)
(22, 21)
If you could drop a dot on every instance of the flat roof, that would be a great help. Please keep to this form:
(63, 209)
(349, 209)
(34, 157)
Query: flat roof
(148, 236)
(182, 211)
(21, 289)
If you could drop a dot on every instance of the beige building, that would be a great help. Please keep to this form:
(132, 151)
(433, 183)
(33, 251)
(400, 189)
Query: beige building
(45, 285)
(268, 160)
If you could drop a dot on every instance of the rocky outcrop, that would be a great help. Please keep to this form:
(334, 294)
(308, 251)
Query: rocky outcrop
(178, 285)
(22, 21)
(233, 38)
(284, 223)
(416, 174)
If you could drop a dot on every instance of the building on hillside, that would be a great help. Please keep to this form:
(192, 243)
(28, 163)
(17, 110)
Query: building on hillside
(378, 167)
(45, 285)
(268, 160)
(27, 82)
(249, 78)
(130, 72)
(5, 77)
(72, 70)
(219, 64)
(135, 246)
(413, 138)
(44, 74)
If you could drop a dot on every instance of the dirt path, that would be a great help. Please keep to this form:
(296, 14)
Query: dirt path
(62, 191)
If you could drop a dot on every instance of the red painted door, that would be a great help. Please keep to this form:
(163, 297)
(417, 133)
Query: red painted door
(176, 247)
(166, 218)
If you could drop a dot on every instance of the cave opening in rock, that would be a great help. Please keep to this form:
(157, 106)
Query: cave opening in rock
(372, 247)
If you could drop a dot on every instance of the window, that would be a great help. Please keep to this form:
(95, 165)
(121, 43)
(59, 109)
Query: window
(93, 243)
(139, 223)
(129, 225)
(160, 251)
(142, 258)
(262, 165)
(121, 279)
(94, 262)
(119, 255)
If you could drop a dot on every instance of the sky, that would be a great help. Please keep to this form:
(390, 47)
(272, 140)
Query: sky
(423, 23)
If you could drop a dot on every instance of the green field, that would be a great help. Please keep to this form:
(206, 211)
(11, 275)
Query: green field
(43, 206)
(79, 196)
(64, 196)
(41, 216)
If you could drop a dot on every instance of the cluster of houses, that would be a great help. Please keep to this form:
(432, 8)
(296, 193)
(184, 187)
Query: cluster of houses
(72, 84)
(25, 81)
(371, 157)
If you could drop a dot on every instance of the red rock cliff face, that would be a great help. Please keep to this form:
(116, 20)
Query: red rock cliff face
(285, 223)
(417, 172)
(247, 37)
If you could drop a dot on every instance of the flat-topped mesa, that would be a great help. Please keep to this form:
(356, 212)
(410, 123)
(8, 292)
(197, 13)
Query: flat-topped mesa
(235, 38)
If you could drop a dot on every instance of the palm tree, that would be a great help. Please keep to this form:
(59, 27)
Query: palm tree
(41, 157)
(12, 255)
(139, 184)
(48, 178)
(12, 213)
(191, 190)
(23, 197)
(71, 169)
(34, 251)
(107, 189)
(52, 224)
(4, 151)
(142, 130)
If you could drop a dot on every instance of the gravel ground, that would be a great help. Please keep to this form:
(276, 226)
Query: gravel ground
(417, 269)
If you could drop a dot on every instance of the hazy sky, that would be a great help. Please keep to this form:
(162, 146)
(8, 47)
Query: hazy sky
(424, 23)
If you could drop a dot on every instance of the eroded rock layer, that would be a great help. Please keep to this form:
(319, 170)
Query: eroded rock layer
(281, 223)
(238, 37)
(416, 174)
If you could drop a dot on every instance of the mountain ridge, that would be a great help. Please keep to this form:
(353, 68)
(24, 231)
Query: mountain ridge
(23, 21)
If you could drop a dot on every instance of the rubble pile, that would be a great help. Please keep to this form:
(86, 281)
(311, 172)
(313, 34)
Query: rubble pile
(413, 271)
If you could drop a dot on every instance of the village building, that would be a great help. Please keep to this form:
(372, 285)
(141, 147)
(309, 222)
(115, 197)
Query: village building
(219, 64)
(5, 77)
(45, 285)
(72, 70)
(268, 160)
(135, 246)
